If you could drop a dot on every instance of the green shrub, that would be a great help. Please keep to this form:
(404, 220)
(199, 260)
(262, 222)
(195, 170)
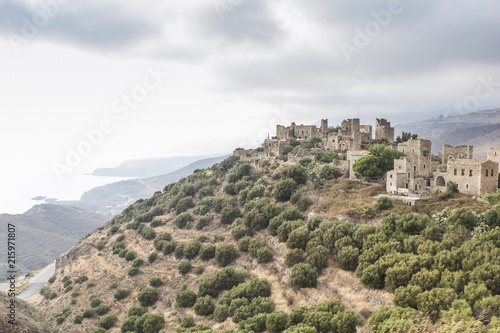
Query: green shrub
(148, 233)
(317, 257)
(221, 313)
(179, 250)
(199, 270)
(304, 203)
(264, 255)
(203, 221)
(296, 172)
(52, 279)
(94, 301)
(78, 319)
(304, 275)
(298, 238)
(121, 294)
(201, 238)
(133, 271)
(184, 266)
(152, 257)
(229, 214)
(155, 223)
(136, 311)
(155, 281)
(130, 255)
(184, 204)
(192, 249)
(185, 299)
(102, 309)
(285, 189)
(148, 296)
(384, 203)
(204, 306)
(348, 257)
(100, 245)
(98, 330)
(113, 285)
(244, 243)
(329, 172)
(225, 254)
(294, 256)
(153, 322)
(184, 220)
(108, 321)
(277, 322)
(137, 262)
(188, 322)
(207, 251)
(88, 313)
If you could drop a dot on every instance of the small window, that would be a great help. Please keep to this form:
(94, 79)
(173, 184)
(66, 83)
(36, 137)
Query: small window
(470, 173)
(495, 153)
(486, 172)
(390, 184)
(455, 172)
(413, 151)
(408, 175)
(459, 155)
(424, 166)
(463, 172)
(400, 167)
(491, 173)
(391, 175)
(466, 185)
(403, 150)
(414, 168)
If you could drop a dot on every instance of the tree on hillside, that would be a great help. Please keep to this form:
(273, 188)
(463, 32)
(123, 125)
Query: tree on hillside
(367, 166)
(405, 136)
(379, 161)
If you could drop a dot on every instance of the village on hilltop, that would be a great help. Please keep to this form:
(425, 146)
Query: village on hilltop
(415, 174)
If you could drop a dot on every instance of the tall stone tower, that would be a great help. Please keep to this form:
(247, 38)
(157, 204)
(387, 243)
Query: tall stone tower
(324, 126)
(383, 130)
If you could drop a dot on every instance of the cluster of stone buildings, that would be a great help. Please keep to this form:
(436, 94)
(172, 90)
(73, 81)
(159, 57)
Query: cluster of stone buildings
(350, 136)
(417, 174)
(414, 174)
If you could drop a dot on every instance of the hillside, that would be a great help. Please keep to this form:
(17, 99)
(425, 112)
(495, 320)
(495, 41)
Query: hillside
(111, 199)
(281, 246)
(44, 232)
(481, 129)
(28, 318)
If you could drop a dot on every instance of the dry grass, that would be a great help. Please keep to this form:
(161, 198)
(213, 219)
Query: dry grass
(435, 203)
(348, 199)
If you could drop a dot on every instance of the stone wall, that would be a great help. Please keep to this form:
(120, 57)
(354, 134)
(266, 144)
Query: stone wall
(455, 152)
(383, 130)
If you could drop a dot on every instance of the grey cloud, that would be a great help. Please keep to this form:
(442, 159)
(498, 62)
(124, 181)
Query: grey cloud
(94, 24)
(245, 21)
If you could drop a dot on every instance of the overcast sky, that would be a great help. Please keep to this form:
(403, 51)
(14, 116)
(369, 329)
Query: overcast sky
(159, 78)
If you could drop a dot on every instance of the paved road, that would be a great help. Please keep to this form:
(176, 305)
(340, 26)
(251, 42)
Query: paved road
(38, 281)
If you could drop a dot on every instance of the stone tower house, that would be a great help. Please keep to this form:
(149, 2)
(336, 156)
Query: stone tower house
(383, 130)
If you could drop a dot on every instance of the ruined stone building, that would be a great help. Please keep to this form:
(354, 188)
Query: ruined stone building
(454, 152)
(383, 130)
(351, 136)
(412, 170)
(304, 132)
